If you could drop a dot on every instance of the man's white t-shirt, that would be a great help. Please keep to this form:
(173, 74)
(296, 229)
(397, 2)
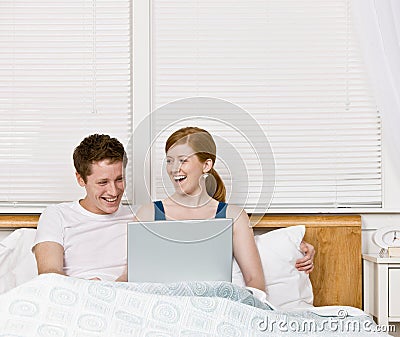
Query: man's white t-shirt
(94, 244)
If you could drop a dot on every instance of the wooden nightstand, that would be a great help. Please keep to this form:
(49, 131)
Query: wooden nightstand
(382, 288)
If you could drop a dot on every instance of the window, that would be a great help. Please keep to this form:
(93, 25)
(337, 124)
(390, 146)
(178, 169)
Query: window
(296, 68)
(65, 72)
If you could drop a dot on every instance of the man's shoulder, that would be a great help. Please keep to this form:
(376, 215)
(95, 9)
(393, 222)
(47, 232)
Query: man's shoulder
(55, 214)
(72, 211)
(59, 208)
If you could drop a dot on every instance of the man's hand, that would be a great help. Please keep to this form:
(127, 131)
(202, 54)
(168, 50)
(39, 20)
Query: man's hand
(306, 263)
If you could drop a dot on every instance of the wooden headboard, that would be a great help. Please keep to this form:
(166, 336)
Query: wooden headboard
(14, 221)
(337, 277)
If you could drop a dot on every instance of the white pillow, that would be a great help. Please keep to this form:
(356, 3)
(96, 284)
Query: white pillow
(286, 287)
(17, 262)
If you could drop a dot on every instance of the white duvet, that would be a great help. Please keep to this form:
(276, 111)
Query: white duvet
(59, 306)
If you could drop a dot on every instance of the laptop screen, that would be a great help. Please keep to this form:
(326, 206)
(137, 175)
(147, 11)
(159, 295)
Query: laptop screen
(180, 250)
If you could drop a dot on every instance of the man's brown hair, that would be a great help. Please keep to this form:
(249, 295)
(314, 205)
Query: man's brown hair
(95, 148)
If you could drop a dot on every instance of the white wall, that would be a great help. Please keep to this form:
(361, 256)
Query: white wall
(372, 222)
(391, 195)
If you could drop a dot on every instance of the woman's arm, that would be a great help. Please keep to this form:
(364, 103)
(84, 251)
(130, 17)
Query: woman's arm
(245, 249)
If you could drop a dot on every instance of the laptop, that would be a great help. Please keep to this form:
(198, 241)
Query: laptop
(180, 250)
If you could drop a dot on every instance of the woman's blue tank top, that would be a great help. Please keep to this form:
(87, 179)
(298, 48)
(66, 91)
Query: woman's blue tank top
(159, 213)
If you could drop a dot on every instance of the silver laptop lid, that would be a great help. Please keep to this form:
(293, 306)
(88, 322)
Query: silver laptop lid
(180, 250)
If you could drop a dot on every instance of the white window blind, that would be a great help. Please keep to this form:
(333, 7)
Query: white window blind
(296, 68)
(65, 73)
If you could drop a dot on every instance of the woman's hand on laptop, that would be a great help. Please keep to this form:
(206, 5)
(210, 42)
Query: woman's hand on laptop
(306, 263)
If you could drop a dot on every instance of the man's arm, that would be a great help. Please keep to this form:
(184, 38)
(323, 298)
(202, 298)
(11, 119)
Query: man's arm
(49, 257)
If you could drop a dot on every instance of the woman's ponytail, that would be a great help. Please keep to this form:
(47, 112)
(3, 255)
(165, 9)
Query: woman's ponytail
(215, 187)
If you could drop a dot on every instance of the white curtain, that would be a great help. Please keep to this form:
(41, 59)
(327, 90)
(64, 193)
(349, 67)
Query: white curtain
(378, 25)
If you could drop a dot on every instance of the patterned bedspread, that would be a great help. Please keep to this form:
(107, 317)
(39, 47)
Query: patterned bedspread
(58, 306)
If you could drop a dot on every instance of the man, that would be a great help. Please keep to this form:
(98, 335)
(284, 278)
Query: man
(87, 238)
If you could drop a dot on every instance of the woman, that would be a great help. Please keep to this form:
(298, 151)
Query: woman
(200, 194)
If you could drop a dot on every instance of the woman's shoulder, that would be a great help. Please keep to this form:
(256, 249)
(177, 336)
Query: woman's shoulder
(240, 218)
(145, 212)
(235, 212)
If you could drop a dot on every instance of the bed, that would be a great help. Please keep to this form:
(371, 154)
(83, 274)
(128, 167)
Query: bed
(53, 305)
